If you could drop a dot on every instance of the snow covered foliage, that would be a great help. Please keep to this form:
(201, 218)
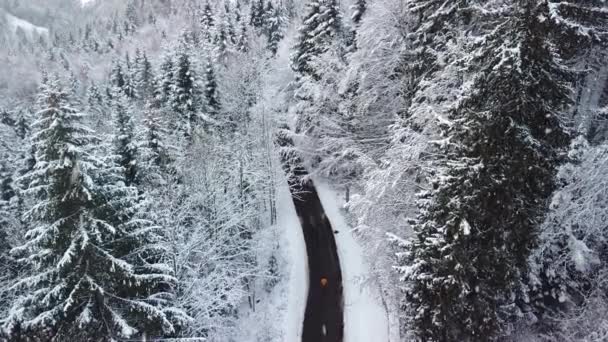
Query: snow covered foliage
(417, 106)
(568, 269)
(184, 95)
(141, 215)
(125, 146)
(476, 226)
(320, 24)
(446, 125)
(90, 268)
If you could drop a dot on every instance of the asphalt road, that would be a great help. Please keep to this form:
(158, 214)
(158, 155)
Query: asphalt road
(323, 321)
(324, 318)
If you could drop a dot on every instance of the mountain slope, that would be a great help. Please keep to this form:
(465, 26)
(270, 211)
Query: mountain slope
(15, 24)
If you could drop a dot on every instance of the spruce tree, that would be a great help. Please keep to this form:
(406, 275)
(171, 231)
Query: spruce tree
(185, 94)
(132, 15)
(7, 192)
(478, 224)
(86, 246)
(22, 126)
(207, 23)
(94, 97)
(229, 24)
(273, 27)
(143, 75)
(320, 27)
(238, 16)
(221, 40)
(155, 153)
(559, 280)
(6, 262)
(129, 87)
(306, 45)
(211, 101)
(165, 81)
(268, 12)
(359, 8)
(256, 14)
(125, 148)
(117, 76)
(242, 40)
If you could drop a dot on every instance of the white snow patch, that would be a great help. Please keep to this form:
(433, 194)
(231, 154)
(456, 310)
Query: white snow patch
(465, 227)
(583, 257)
(30, 29)
(365, 318)
(294, 248)
(279, 315)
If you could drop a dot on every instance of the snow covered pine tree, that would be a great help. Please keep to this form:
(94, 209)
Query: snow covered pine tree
(479, 223)
(92, 273)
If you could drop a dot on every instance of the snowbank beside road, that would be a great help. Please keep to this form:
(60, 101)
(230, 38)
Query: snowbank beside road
(279, 315)
(294, 249)
(365, 318)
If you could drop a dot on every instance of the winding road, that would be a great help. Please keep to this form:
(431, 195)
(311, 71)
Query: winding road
(324, 317)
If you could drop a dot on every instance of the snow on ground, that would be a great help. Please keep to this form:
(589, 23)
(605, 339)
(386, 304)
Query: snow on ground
(30, 29)
(279, 315)
(365, 318)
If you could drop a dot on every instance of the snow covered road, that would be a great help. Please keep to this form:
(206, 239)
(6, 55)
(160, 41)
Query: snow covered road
(365, 318)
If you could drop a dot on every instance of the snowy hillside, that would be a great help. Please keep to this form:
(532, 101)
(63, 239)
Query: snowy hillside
(31, 31)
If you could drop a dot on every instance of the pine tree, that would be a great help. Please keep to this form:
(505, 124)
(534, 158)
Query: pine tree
(267, 14)
(319, 64)
(125, 148)
(273, 27)
(256, 15)
(129, 76)
(479, 223)
(242, 41)
(10, 227)
(132, 16)
(185, 95)
(85, 284)
(359, 8)
(22, 126)
(12, 135)
(306, 46)
(94, 97)
(562, 271)
(211, 101)
(229, 23)
(7, 192)
(143, 76)
(155, 152)
(6, 262)
(321, 26)
(117, 76)
(74, 84)
(238, 16)
(207, 23)
(165, 81)
(221, 40)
